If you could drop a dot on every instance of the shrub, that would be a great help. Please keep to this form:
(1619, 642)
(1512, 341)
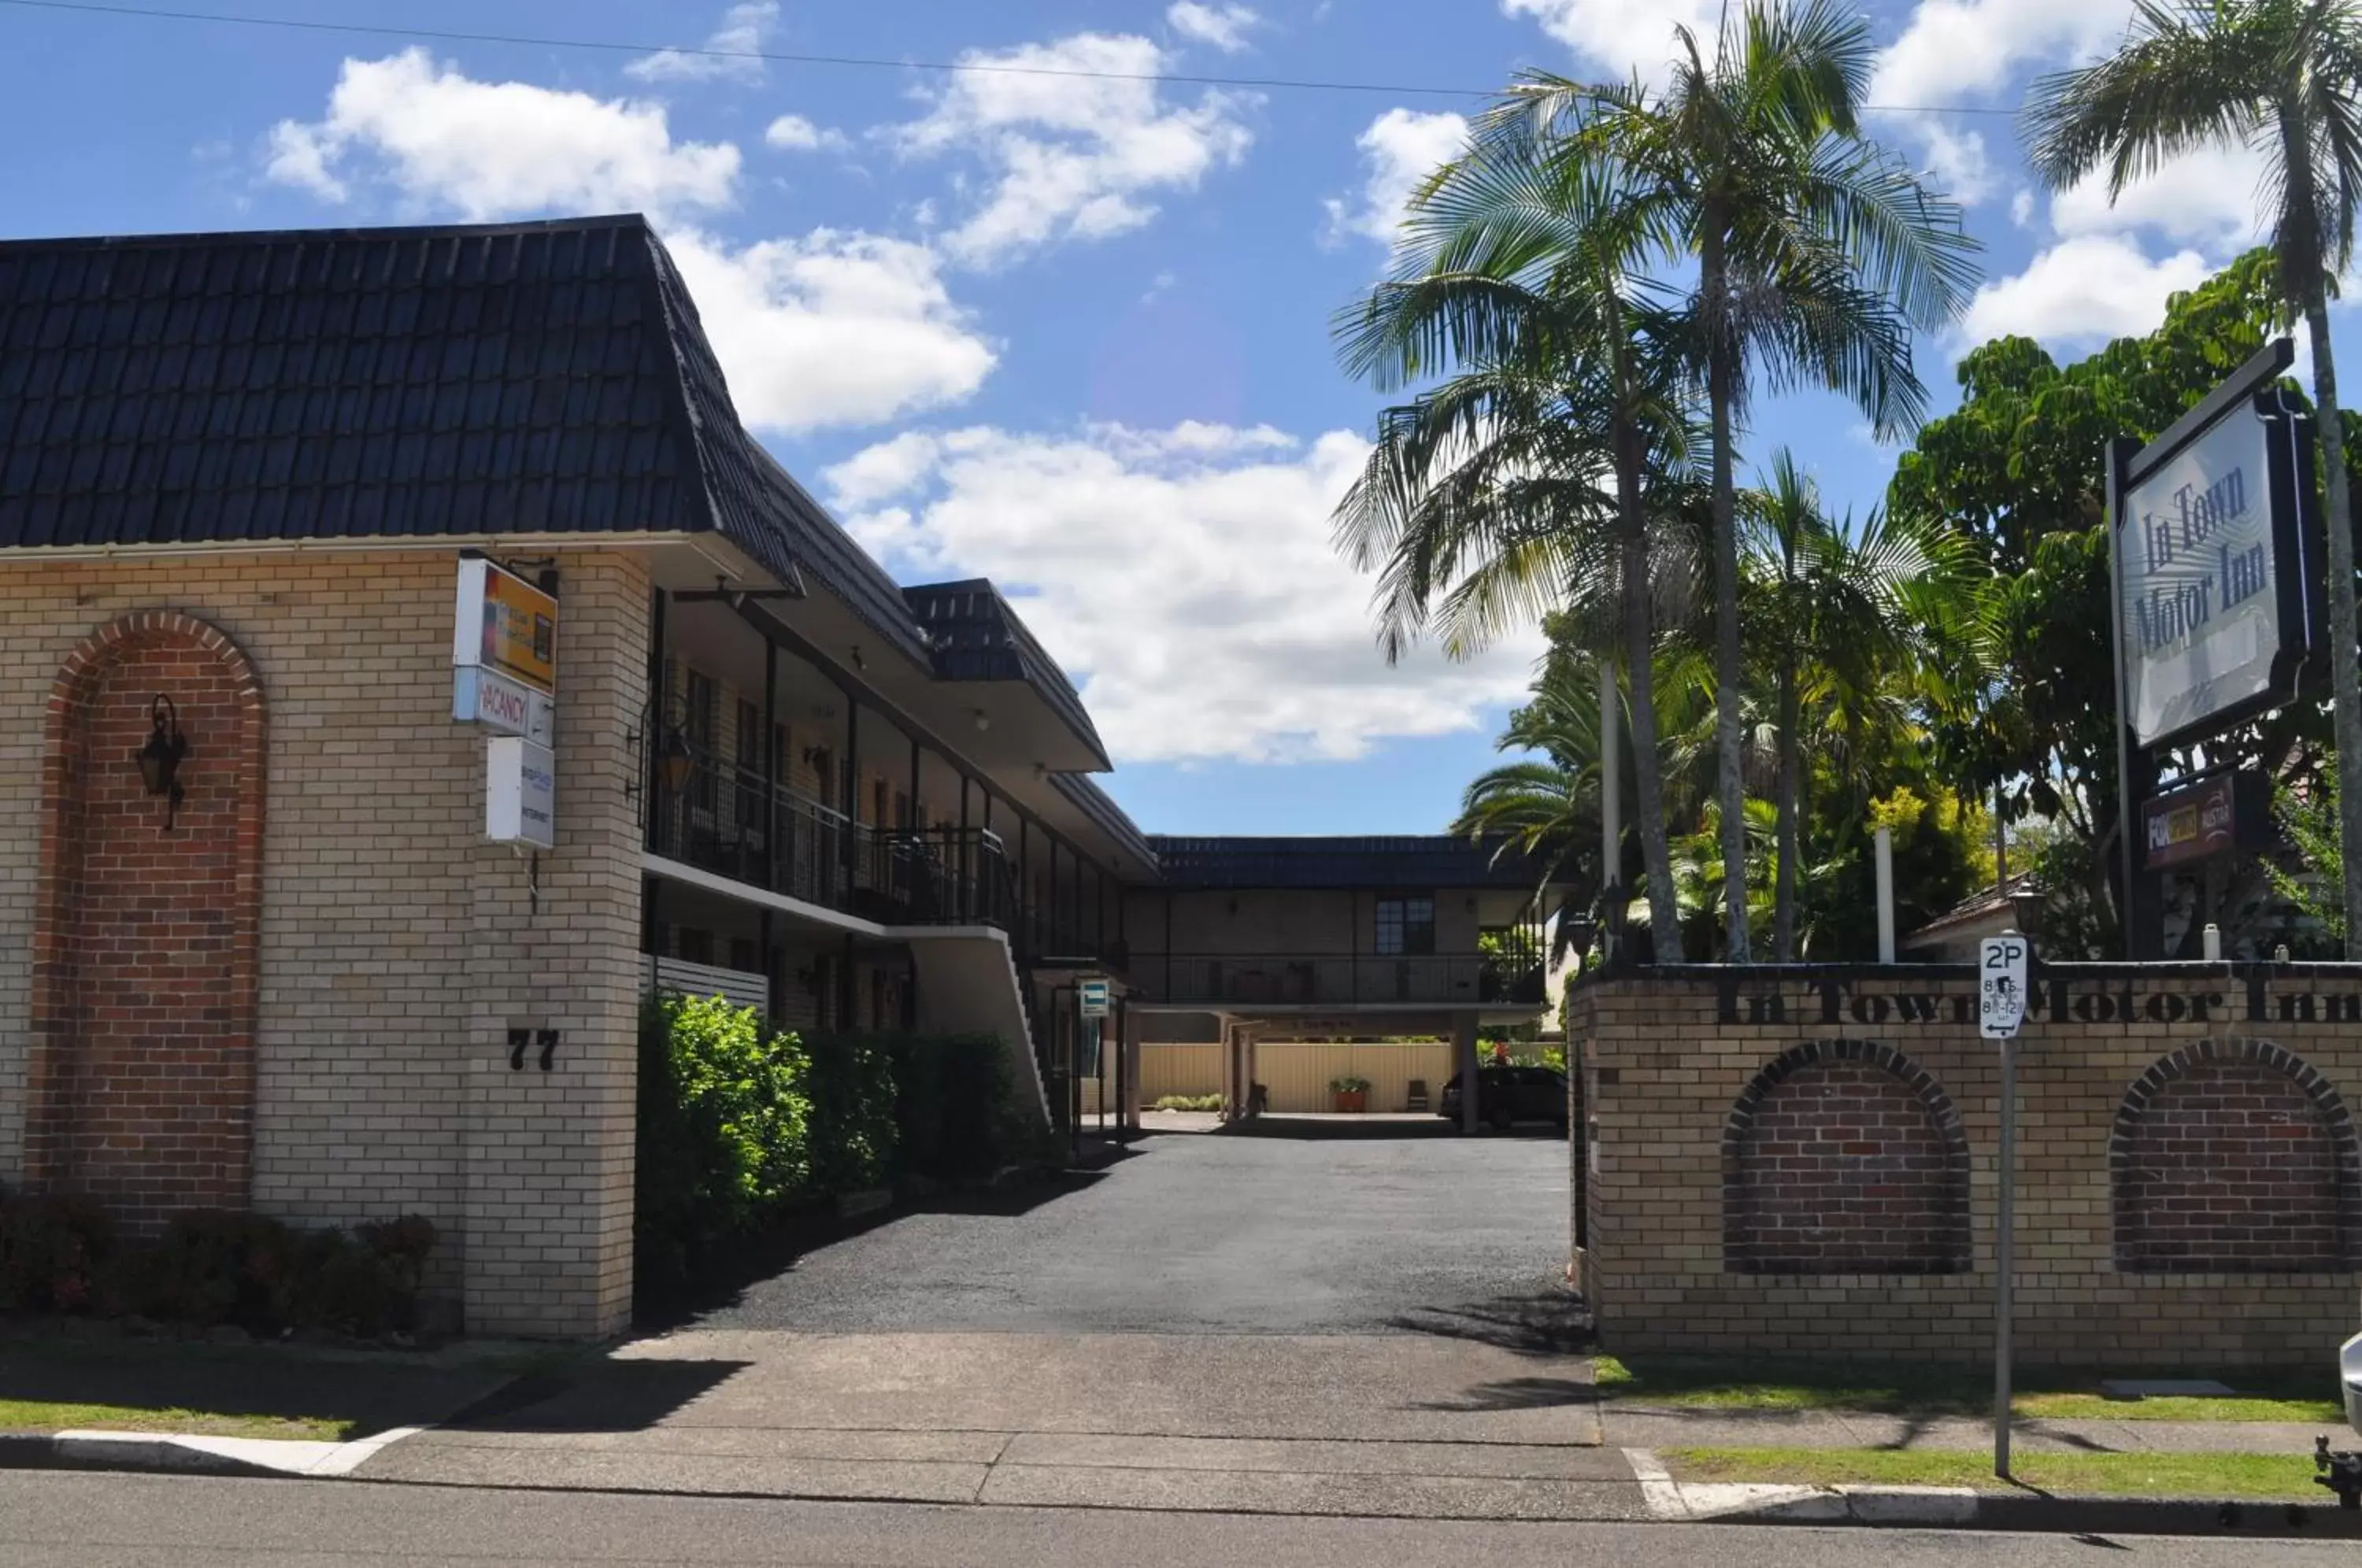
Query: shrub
(1190, 1102)
(949, 1094)
(217, 1266)
(214, 1265)
(53, 1253)
(1348, 1083)
(724, 1127)
(851, 1083)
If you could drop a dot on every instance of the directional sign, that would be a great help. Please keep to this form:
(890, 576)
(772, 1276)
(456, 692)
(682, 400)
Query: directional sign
(2001, 970)
(1094, 995)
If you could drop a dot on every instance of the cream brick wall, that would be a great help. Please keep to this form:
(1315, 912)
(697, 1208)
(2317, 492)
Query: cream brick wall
(397, 948)
(1662, 1072)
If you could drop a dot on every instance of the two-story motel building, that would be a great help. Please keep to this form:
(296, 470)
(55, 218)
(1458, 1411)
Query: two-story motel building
(284, 924)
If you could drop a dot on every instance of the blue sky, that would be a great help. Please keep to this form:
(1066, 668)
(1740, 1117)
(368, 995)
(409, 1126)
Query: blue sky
(1069, 333)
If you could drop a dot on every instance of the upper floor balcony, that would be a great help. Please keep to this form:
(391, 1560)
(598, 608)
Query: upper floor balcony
(707, 812)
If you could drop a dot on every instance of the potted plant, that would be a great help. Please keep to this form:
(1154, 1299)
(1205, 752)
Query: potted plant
(1351, 1092)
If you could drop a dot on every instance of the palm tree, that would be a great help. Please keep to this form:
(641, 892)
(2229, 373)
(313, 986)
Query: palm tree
(1521, 483)
(1817, 252)
(2279, 76)
(1846, 612)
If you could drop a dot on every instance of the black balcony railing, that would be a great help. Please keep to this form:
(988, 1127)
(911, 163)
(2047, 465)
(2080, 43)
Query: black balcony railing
(726, 820)
(1342, 979)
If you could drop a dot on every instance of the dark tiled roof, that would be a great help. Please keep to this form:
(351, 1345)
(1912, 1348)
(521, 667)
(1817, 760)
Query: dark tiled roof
(1111, 819)
(977, 636)
(1407, 864)
(481, 379)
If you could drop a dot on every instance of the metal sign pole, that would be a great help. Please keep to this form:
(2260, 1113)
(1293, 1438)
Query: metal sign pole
(2004, 1255)
(2004, 975)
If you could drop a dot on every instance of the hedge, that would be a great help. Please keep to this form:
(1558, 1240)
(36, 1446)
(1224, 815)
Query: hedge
(212, 1266)
(742, 1126)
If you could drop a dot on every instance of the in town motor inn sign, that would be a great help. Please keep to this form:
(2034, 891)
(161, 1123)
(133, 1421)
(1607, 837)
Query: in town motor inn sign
(2050, 999)
(2216, 583)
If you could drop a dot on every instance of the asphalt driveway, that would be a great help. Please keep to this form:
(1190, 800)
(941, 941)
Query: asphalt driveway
(1213, 1234)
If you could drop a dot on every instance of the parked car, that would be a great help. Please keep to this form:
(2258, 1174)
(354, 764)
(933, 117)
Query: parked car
(1507, 1096)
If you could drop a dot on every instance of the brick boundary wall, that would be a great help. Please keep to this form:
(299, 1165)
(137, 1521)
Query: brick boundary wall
(1671, 1063)
(142, 1073)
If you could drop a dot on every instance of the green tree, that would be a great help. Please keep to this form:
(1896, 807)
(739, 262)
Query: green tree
(2282, 77)
(1520, 481)
(1815, 251)
(1843, 609)
(2018, 472)
(2310, 820)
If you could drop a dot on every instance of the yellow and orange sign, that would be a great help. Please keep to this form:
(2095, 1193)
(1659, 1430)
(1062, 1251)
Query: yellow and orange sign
(505, 625)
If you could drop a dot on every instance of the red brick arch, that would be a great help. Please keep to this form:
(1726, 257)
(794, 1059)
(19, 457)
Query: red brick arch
(1844, 1156)
(145, 943)
(2234, 1156)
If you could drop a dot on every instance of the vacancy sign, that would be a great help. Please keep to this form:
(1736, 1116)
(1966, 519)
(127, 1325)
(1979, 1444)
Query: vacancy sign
(2002, 970)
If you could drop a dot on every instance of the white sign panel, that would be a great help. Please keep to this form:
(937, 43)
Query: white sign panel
(1094, 995)
(520, 792)
(2197, 581)
(486, 697)
(2001, 973)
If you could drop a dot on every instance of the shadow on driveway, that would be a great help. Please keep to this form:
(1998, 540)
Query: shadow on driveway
(724, 1284)
(1547, 1320)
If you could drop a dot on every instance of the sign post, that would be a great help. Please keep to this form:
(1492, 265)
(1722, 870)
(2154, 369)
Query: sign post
(2002, 963)
(2217, 599)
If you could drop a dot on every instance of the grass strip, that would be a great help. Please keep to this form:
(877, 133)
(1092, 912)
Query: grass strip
(57, 1416)
(1903, 1388)
(2103, 1474)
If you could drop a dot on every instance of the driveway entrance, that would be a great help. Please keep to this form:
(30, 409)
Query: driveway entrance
(1292, 1229)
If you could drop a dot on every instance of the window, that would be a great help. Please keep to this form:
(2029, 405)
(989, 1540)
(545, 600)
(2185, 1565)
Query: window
(1406, 927)
(748, 744)
(742, 956)
(695, 946)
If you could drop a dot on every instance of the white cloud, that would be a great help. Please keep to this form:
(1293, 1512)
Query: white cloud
(2021, 207)
(834, 328)
(1957, 163)
(1399, 148)
(1953, 47)
(489, 149)
(2211, 199)
(1185, 579)
(743, 30)
(1623, 35)
(1223, 26)
(2085, 290)
(1070, 156)
(793, 133)
(830, 328)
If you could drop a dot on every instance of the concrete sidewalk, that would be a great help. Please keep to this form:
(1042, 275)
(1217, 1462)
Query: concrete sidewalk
(1390, 1426)
(1401, 1426)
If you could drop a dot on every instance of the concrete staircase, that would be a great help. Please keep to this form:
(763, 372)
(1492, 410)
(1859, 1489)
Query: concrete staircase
(968, 985)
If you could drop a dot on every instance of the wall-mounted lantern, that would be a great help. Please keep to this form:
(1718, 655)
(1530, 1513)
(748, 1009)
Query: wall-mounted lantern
(159, 760)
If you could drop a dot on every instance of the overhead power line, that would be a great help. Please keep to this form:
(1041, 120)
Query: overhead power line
(873, 62)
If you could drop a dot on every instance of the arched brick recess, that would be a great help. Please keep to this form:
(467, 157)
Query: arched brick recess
(2234, 1156)
(141, 1089)
(1843, 1156)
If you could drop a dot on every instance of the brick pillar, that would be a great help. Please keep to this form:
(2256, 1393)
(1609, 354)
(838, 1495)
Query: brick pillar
(549, 1155)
